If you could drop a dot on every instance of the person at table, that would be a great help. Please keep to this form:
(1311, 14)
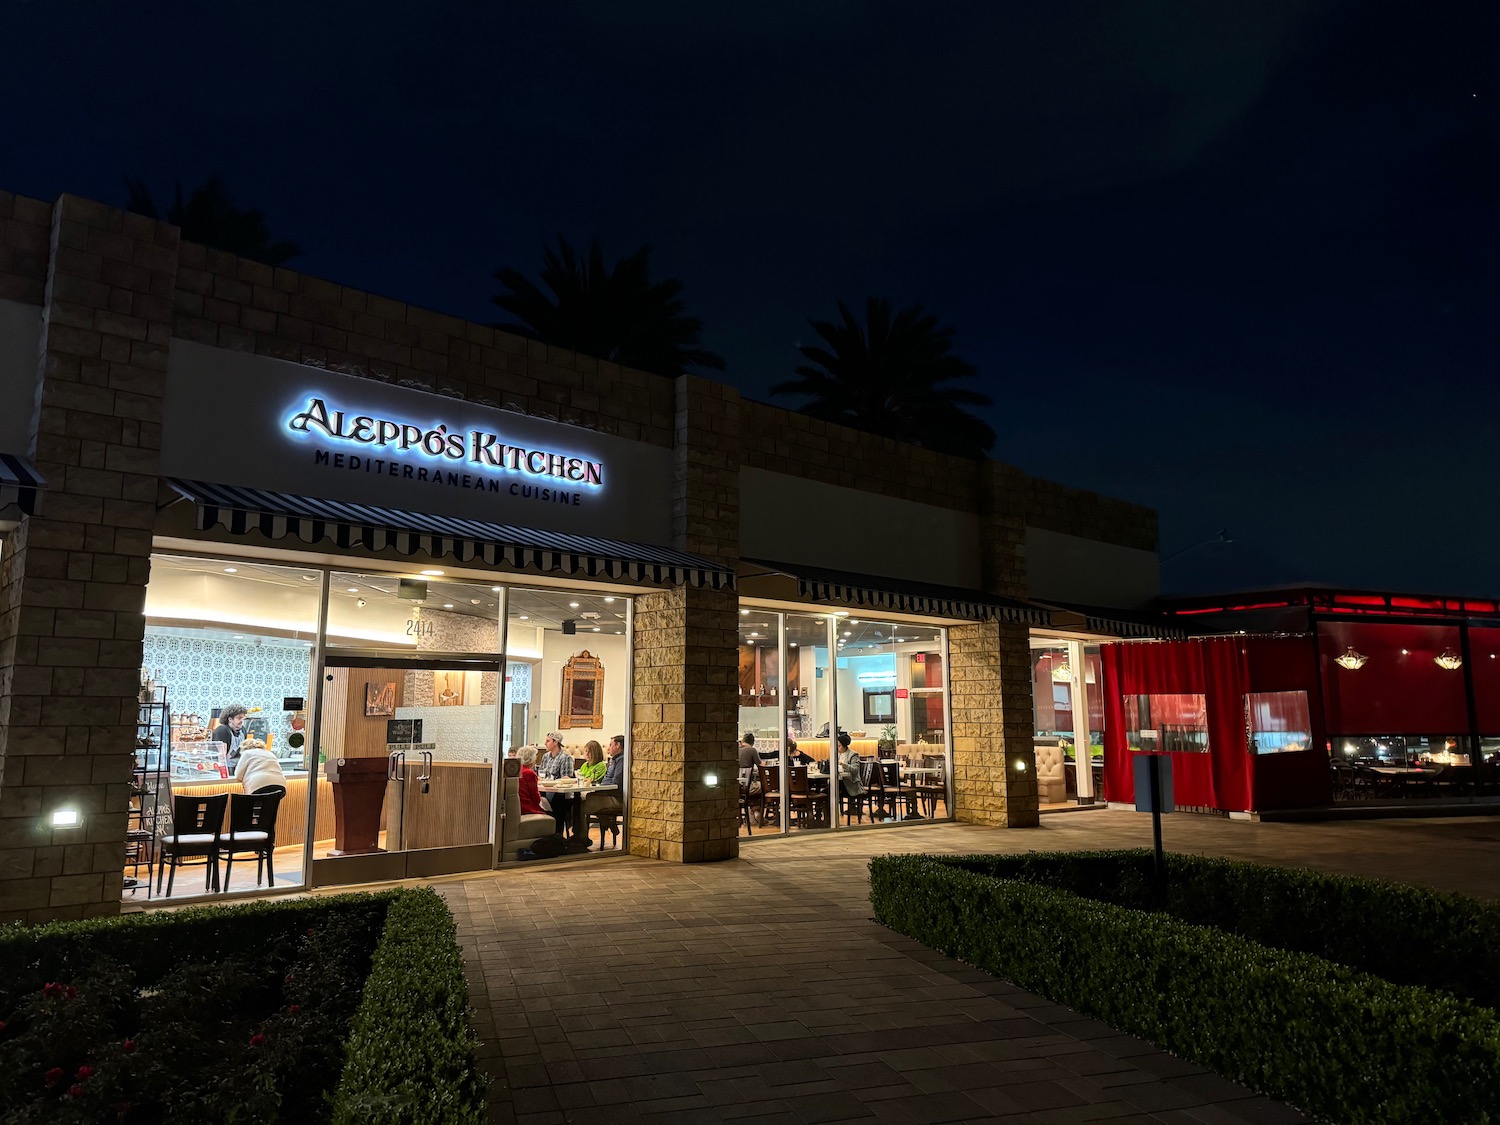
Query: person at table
(230, 732)
(556, 764)
(608, 805)
(592, 771)
(796, 757)
(258, 768)
(530, 795)
(850, 781)
(750, 761)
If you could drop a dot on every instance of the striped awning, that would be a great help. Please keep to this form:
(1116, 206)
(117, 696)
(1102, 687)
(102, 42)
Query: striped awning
(20, 485)
(1140, 623)
(278, 515)
(900, 595)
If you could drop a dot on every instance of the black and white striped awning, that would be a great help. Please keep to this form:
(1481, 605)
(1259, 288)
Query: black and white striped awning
(902, 596)
(20, 485)
(278, 515)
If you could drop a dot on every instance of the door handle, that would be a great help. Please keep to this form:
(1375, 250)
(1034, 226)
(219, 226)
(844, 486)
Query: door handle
(426, 774)
(397, 770)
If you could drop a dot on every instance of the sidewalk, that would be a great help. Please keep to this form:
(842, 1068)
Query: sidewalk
(759, 990)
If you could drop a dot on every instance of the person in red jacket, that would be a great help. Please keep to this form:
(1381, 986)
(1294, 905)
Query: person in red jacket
(531, 796)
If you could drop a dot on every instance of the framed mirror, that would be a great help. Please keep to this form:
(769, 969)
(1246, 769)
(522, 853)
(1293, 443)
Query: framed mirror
(582, 693)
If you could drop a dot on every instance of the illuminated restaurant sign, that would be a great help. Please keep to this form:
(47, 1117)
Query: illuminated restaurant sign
(439, 454)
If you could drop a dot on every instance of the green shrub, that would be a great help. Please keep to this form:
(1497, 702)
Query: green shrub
(1405, 934)
(1345, 1044)
(29, 957)
(410, 1056)
(187, 1035)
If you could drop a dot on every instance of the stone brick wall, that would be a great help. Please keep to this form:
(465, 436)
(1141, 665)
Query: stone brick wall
(990, 670)
(1077, 511)
(25, 239)
(74, 578)
(706, 470)
(685, 705)
(229, 302)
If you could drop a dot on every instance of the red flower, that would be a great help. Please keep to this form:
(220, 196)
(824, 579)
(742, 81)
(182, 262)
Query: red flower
(291, 977)
(52, 988)
(84, 1072)
(294, 1009)
(75, 1091)
(128, 1045)
(53, 1076)
(257, 1040)
(72, 992)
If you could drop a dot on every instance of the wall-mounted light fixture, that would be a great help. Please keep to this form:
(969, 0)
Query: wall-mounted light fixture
(710, 779)
(1020, 765)
(66, 818)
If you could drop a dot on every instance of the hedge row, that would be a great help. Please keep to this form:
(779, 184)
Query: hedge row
(1344, 1044)
(410, 1055)
(29, 957)
(1405, 934)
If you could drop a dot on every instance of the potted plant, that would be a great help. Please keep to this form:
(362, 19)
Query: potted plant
(887, 738)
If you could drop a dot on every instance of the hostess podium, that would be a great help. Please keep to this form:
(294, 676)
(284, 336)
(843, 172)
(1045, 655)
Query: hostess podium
(359, 786)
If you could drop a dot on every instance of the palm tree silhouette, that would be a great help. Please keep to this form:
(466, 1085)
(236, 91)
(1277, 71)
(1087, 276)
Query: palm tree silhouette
(617, 314)
(209, 217)
(892, 376)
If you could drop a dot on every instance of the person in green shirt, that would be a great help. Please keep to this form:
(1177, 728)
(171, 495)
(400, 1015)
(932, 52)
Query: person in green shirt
(592, 771)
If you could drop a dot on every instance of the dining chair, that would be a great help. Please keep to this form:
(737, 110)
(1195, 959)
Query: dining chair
(252, 831)
(801, 798)
(197, 824)
(770, 795)
(930, 788)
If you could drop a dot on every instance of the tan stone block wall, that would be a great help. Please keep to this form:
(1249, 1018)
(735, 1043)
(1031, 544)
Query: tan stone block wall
(74, 577)
(706, 469)
(229, 302)
(989, 666)
(25, 246)
(685, 699)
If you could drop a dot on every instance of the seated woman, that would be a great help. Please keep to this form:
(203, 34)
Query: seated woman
(796, 757)
(592, 771)
(530, 795)
(849, 768)
(258, 768)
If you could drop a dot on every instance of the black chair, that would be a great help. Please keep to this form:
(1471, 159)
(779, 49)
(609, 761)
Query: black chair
(197, 825)
(746, 798)
(252, 831)
(854, 806)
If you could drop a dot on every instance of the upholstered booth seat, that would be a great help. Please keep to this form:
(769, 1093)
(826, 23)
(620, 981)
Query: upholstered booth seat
(1051, 785)
(518, 829)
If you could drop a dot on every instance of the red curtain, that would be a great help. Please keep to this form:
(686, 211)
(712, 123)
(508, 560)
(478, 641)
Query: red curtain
(1400, 689)
(1297, 780)
(1176, 668)
(1484, 646)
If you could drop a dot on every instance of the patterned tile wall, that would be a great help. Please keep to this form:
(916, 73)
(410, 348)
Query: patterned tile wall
(202, 673)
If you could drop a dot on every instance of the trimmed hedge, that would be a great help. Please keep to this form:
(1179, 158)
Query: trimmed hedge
(410, 1055)
(1344, 1044)
(1405, 934)
(29, 957)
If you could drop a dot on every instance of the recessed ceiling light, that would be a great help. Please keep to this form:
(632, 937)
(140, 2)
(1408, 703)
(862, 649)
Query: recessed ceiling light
(609, 599)
(494, 589)
(755, 634)
(794, 644)
(619, 632)
(841, 613)
(572, 605)
(432, 573)
(352, 590)
(309, 578)
(848, 634)
(447, 605)
(231, 569)
(524, 617)
(596, 628)
(744, 613)
(239, 636)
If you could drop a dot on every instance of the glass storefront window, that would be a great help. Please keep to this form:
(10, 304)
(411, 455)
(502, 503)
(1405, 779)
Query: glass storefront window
(419, 612)
(1167, 722)
(225, 639)
(1278, 722)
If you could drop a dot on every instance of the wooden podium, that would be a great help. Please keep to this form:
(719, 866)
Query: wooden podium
(358, 794)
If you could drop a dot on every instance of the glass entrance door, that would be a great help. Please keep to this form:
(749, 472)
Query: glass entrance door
(405, 764)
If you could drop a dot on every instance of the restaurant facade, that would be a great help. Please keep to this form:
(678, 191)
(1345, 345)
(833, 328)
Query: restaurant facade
(406, 544)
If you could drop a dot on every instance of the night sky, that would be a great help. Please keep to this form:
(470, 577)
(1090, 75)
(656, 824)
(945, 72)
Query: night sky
(1237, 261)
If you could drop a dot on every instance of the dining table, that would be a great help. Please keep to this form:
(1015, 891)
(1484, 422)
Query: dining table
(580, 839)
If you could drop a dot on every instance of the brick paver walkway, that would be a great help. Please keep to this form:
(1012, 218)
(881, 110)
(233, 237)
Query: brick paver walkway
(759, 990)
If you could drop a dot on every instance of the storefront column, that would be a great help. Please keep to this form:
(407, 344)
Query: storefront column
(685, 699)
(74, 577)
(994, 763)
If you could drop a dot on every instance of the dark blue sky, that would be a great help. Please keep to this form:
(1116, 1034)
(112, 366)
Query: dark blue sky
(1239, 261)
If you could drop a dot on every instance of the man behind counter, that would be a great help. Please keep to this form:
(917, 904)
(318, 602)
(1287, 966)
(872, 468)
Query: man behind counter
(230, 732)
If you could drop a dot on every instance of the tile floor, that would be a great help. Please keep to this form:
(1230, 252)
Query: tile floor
(759, 990)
